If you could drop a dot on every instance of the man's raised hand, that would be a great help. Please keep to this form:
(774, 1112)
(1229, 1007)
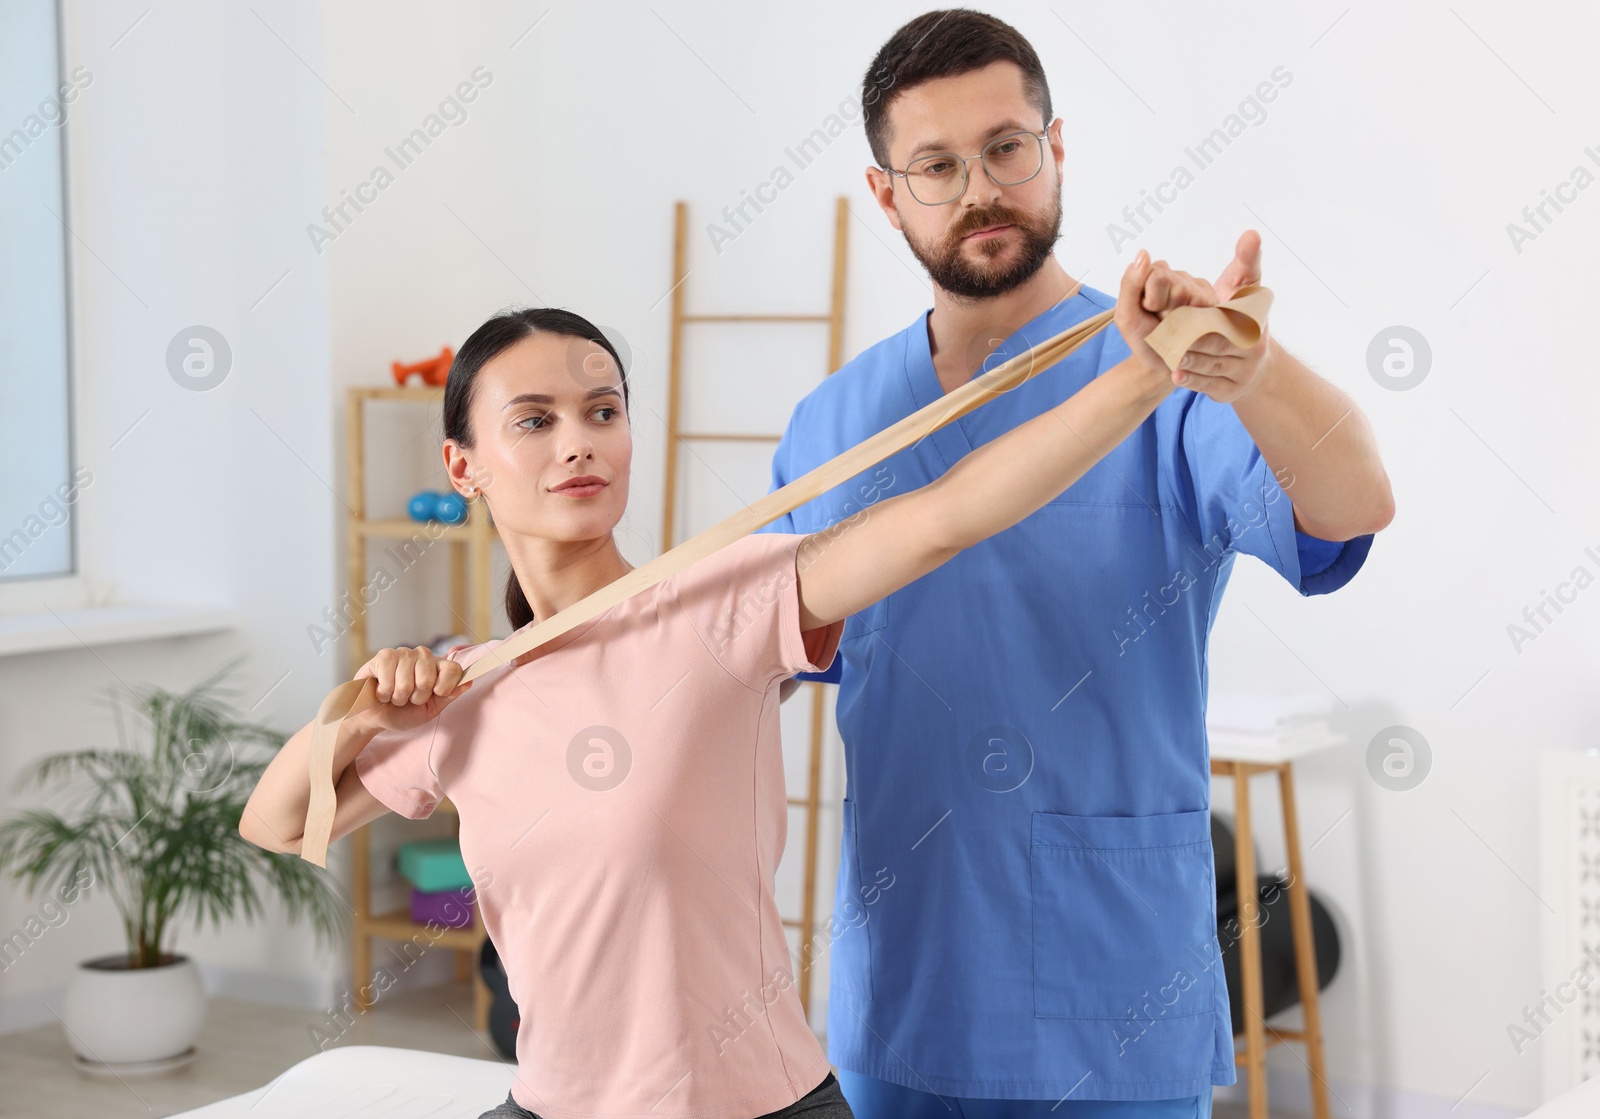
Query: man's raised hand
(1215, 366)
(1243, 269)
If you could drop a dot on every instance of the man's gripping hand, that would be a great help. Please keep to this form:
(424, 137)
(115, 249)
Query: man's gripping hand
(1215, 366)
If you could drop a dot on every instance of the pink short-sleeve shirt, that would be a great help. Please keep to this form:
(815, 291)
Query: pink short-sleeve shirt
(623, 812)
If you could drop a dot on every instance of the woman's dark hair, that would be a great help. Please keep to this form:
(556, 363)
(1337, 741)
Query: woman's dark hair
(943, 44)
(488, 342)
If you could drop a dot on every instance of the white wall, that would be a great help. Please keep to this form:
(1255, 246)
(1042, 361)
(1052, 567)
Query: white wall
(193, 154)
(1382, 181)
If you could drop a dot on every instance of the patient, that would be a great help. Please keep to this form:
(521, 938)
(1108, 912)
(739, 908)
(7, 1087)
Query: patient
(621, 788)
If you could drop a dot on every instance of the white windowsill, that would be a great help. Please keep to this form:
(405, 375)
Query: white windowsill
(43, 631)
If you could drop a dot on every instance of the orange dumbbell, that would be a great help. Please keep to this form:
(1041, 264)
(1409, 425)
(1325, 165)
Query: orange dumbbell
(435, 370)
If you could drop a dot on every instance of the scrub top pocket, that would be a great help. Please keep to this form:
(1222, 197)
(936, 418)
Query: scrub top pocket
(1124, 915)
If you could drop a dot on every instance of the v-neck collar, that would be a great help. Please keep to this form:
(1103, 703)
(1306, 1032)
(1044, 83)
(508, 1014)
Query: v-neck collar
(952, 440)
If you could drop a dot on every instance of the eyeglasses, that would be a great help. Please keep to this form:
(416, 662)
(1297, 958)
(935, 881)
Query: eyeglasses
(941, 178)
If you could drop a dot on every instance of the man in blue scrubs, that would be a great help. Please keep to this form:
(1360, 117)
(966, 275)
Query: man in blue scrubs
(1025, 916)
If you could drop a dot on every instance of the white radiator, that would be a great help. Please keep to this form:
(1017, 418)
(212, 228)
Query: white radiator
(1563, 1021)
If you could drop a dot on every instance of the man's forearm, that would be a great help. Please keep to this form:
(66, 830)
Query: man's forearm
(1320, 447)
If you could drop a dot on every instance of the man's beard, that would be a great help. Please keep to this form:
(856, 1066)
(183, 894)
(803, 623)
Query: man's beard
(949, 268)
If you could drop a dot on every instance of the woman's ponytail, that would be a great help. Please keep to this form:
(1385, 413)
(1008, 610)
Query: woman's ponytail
(518, 612)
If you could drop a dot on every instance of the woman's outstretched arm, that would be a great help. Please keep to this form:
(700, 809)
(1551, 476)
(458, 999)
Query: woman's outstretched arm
(901, 539)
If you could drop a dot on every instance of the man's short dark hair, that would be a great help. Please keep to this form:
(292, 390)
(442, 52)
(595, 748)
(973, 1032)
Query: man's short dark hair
(943, 44)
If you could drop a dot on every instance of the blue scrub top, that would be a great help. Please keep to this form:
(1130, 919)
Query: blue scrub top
(1026, 902)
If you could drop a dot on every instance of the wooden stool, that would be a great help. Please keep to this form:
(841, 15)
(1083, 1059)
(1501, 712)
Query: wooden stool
(1258, 1036)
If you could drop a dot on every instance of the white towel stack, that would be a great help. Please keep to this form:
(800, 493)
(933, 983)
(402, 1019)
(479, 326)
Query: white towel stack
(1268, 722)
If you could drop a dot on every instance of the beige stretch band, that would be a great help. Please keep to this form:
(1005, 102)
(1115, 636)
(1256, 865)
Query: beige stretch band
(1240, 320)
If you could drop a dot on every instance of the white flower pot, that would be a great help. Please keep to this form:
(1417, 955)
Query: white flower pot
(121, 1020)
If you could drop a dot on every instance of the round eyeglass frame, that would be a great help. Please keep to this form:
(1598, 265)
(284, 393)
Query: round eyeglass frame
(965, 159)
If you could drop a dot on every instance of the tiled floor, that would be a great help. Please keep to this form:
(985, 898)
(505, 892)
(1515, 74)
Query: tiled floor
(246, 1045)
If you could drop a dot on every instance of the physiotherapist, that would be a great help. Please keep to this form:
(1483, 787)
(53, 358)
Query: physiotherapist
(1025, 915)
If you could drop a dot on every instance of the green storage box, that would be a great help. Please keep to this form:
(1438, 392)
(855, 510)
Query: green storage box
(432, 865)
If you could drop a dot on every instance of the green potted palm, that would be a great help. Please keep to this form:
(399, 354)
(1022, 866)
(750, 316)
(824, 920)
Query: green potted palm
(155, 824)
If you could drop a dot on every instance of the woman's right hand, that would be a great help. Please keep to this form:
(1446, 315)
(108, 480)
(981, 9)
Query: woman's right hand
(1150, 292)
(413, 687)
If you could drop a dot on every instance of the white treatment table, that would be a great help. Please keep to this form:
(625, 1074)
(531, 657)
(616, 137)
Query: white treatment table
(372, 1082)
(378, 1082)
(1582, 1102)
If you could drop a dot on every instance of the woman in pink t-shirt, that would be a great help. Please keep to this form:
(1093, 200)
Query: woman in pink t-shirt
(620, 789)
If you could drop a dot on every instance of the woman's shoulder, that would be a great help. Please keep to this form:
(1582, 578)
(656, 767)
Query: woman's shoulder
(761, 563)
(749, 555)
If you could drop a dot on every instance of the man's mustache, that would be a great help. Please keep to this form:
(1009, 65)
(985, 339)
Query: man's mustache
(982, 219)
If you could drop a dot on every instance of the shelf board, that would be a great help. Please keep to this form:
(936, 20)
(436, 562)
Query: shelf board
(402, 528)
(398, 925)
(418, 393)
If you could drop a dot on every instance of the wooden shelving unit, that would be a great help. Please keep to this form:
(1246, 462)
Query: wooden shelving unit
(468, 547)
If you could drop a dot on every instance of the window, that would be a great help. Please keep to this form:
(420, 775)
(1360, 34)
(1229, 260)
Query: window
(39, 487)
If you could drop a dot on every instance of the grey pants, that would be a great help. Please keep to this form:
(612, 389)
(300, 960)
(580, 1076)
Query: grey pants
(825, 1101)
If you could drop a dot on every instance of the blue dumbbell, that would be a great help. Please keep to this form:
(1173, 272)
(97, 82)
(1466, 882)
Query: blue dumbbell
(451, 508)
(428, 505)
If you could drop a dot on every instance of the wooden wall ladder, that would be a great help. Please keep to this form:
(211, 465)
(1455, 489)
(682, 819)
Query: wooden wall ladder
(806, 923)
